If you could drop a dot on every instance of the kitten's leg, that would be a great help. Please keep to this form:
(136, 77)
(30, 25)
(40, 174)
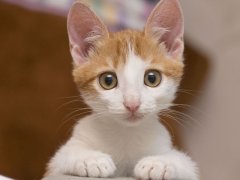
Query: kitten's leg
(75, 159)
(174, 165)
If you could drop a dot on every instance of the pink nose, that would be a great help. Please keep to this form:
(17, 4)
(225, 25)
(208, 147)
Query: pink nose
(132, 106)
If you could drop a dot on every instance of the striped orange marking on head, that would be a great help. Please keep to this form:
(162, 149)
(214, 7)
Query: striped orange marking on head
(110, 54)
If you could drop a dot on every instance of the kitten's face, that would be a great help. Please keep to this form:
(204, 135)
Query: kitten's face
(129, 76)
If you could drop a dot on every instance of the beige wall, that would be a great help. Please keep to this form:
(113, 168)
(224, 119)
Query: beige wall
(214, 28)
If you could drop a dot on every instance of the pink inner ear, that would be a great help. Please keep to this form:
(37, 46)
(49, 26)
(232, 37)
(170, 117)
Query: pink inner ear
(174, 32)
(83, 29)
(167, 16)
(76, 33)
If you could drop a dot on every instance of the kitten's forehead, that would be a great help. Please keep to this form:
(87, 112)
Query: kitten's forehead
(131, 73)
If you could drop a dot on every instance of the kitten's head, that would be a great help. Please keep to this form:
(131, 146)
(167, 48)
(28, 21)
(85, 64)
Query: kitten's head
(128, 74)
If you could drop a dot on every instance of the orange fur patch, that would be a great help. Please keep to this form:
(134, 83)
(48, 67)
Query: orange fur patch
(111, 53)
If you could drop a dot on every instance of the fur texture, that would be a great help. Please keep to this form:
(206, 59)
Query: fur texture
(114, 141)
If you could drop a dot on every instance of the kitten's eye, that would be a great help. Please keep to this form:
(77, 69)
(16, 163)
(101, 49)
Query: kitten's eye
(152, 78)
(108, 80)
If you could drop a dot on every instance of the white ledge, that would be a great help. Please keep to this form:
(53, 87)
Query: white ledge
(82, 178)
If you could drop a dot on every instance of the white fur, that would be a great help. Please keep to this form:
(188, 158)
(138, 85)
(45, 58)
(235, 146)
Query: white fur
(107, 144)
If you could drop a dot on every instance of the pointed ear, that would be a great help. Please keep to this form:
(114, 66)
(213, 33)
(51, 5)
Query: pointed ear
(84, 29)
(165, 24)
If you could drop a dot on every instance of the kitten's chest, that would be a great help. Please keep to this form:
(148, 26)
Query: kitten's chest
(126, 150)
(126, 143)
(127, 147)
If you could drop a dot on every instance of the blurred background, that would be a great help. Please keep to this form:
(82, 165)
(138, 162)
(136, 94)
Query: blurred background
(37, 91)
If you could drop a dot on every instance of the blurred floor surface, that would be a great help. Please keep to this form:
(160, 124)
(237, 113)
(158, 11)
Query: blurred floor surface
(79, 178)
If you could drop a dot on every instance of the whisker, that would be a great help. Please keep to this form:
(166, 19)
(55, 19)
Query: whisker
(173, 118)
(75, 111)
(65, 121)
(67, 103)
(185, 117)
(69, 97)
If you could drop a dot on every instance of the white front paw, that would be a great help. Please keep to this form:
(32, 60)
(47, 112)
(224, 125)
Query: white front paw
(95, 166)
(161, 168)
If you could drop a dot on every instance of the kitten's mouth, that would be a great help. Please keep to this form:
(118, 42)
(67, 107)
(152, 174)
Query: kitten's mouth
(134, 117)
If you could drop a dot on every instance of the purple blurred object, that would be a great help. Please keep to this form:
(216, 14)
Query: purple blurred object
(117, 14)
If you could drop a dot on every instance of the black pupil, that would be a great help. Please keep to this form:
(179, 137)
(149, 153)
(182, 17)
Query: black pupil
(109, 80)
(152, 78)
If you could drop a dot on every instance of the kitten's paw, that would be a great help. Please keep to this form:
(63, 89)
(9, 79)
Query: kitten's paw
(96, 166)
(81, 162)
(150, 168)
(160, 168)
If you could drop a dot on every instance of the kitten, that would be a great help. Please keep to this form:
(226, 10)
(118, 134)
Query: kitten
(126, 78)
